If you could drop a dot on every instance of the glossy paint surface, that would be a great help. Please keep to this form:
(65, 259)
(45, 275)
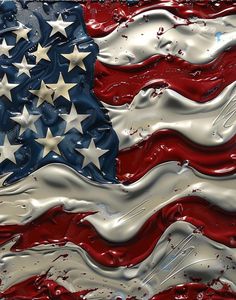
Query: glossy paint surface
(117, 150)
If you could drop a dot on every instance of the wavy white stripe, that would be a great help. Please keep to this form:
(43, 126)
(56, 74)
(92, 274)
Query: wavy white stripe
(198, 41)
(122, 210)
(180, 254)
(210, 124)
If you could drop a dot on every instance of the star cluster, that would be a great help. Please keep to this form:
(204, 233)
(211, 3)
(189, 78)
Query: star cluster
(48, 113)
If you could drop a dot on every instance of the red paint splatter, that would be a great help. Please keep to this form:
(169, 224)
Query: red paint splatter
(196, 291)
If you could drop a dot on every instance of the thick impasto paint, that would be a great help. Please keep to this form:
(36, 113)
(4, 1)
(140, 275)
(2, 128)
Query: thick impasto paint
(117, 150)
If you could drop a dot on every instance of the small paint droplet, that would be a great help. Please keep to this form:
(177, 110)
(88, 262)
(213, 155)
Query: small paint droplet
(218, 36)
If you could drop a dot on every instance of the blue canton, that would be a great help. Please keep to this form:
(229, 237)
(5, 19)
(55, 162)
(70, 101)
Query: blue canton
(48, 113)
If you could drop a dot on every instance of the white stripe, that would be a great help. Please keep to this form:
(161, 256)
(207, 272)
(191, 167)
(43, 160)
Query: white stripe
(122, 210)
(210, 124)
(181, 254)
(198, 42)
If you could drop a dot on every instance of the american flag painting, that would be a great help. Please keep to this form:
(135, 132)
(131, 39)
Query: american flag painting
(117, 150)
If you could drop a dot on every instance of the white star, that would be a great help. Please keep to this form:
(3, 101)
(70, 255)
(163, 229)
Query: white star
(41, 53)
(23, 67)
(50, 143)
(76, 59)
(61, 88)
(21, 32)
(6, 87)
(73, 119)
(26, 120)
(4, 48)
(44, 93)
(92, 154)
(7, 150)
(59, 26)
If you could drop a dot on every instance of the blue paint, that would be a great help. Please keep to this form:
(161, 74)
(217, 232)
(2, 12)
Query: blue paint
(132, 2)
(218, 36)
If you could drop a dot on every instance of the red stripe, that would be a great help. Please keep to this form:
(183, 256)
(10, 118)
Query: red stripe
(201, 83)
(168, 145)
(102, 18)
(40, 288)
(58, 227)
(195, 291)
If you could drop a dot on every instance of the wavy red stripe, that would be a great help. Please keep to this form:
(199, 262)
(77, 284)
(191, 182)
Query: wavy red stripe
(40, 288)
(102, 18)
(58, 227)
(201, 83)
(168, 145)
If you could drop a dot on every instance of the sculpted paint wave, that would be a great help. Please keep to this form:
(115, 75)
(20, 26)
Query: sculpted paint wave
(209, 124)
(59, 227)
(160, 32)
(117, 85)
(181, 254)
(102, 18)
(121, 210)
